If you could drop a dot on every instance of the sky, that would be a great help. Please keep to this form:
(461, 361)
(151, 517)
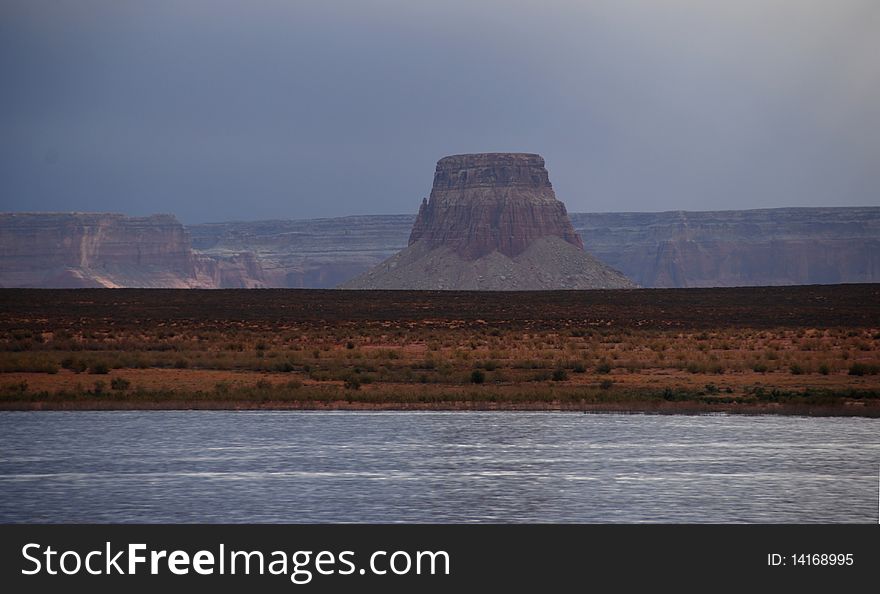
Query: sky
(215, 110)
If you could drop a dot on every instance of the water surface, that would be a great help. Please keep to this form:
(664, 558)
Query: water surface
(210, 466)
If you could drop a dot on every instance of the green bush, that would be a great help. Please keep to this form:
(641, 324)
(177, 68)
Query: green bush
(603, 367)
(478, 376)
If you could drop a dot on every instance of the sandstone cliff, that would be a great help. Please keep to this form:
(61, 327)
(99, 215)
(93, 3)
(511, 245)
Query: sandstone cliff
(316, 253)
(232, 271)
(484, 203)
(71, 250)
(663, 249)
(784, 246)
(675, 249)
(492, 222)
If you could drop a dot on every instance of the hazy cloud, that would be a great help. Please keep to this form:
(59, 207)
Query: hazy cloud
(220, 110)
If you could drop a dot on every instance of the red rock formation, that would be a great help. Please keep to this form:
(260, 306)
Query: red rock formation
(671, 249)
(492, 223)
(70, 250)
(491, 202)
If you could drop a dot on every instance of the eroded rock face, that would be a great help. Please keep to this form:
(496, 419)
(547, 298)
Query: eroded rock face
(655, 249)
(782, 246)
(491, 202)
(492, 222)
(71, 250)
(234, 271)
(313, 253)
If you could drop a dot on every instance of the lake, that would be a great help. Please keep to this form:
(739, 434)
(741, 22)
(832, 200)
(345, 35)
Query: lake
(381, 467)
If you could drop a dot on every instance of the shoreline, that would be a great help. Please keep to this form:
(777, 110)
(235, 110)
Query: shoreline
(659, 408)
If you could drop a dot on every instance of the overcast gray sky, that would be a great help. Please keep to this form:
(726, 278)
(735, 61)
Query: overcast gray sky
(218, 110)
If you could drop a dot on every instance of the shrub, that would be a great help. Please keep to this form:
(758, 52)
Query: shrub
(559, 375)
(181, 364)
(606, 384)
(120, 383)
(15, 388)
(862, 369)
(759, 368)
(478, 376)
(99, 368)
(824, 369)
(70, 363)
(352, 382)
(283, 367)
(349, 345)
(796, 369)
(99, 387)
(603, 367)
(579, 367)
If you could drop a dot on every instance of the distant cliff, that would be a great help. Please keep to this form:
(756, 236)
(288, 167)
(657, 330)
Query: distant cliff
(73, 250)
(315, 253)
(670, 249)
(783, 246)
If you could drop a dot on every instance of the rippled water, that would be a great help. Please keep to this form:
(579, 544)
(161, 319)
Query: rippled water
(435, 467)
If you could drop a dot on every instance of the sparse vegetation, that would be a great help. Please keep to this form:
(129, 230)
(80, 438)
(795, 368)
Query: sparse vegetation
(559, 375)
(99, 368)
(863, 369)
(120, 383)
(545, 348)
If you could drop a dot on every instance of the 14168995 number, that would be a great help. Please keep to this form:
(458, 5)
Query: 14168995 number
(820, 559)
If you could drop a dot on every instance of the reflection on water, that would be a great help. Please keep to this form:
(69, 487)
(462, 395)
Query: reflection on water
(201, 466)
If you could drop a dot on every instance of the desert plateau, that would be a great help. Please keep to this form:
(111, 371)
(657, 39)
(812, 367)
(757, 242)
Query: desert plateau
(797, 350)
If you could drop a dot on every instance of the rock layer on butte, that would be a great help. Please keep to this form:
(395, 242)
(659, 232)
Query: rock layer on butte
(492, 222)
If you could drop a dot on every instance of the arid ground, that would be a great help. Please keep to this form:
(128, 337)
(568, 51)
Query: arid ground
(796, 350)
